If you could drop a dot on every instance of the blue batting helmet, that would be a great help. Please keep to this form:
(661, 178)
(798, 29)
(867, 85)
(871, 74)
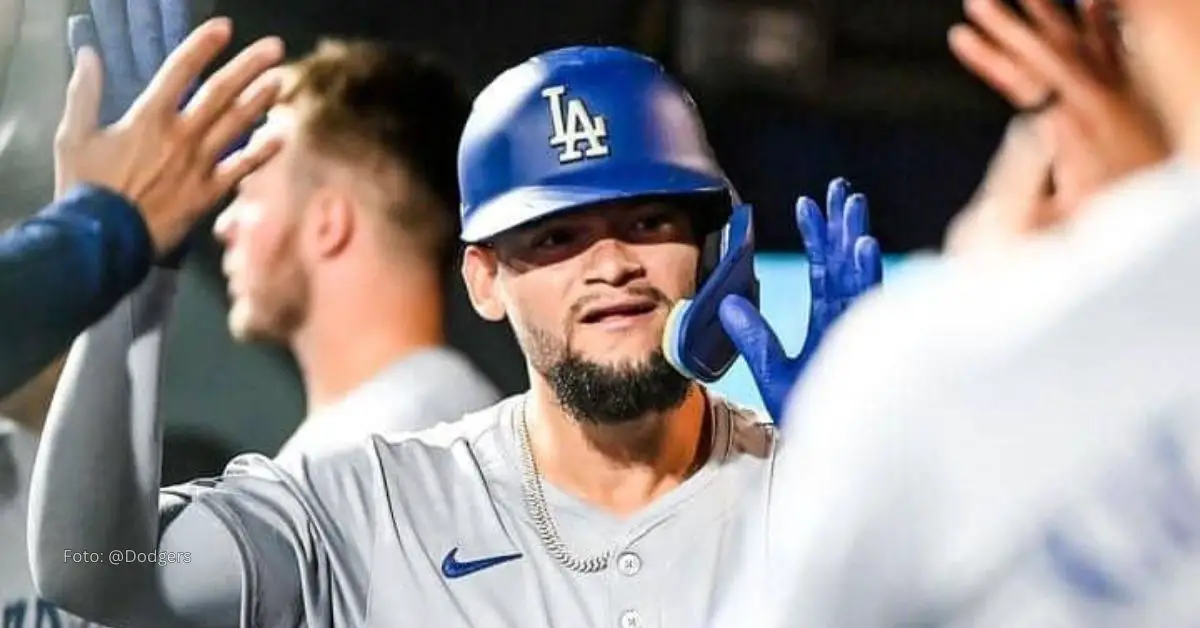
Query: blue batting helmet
(579, 126)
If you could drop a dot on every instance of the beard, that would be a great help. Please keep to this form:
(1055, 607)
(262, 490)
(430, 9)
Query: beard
(606, 394)
(269, 320)
(276, 308)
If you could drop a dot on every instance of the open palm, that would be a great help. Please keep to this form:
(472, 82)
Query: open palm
(844, 262)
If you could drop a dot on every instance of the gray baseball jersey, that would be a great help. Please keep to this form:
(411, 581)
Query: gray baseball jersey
(432, 386)
(432, 529)
(418, 529)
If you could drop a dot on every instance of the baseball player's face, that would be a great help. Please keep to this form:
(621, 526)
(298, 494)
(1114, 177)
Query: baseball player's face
(588, 295)
(267, 281)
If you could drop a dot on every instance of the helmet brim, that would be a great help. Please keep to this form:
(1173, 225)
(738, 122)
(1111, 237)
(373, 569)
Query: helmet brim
(528, 204)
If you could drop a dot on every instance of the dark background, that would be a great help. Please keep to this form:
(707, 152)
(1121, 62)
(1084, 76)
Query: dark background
(859, 88)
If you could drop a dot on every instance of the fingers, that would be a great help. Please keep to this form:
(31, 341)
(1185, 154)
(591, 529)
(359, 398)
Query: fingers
(1054, 25)
(1102, 40)
(184, 65)
(1013, 191)
(856, 221)
(145, 26)
(236, 122)
(868, 263)
(835, 208)
(811, 222)
(1021, 165)
(1015, 83)
(813, 229)
(753, 337)
(1023, 45)
(81, 33)
(241, 163)
(224, 86)
(81, 114)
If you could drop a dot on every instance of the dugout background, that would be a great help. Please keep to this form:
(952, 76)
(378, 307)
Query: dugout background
(794, 93)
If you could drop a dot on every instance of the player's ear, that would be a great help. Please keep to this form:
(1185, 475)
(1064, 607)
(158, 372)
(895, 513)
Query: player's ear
(479, 272)
(329, 221)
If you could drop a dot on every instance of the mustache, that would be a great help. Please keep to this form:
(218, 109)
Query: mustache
(644, 292)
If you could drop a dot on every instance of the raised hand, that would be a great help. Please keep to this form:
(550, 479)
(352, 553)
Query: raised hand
(1014, 200)
(132, 38)
(1074, 77)
(844, 263)
(166, 160)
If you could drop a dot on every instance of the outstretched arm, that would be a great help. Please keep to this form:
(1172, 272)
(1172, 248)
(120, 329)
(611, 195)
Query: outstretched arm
(102, 545)
(60, 271)
(95, 484)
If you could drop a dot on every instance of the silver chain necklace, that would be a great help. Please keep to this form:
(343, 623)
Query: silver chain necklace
(535, 505)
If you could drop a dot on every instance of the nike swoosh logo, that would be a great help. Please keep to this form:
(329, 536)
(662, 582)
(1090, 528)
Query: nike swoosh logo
(452, 568)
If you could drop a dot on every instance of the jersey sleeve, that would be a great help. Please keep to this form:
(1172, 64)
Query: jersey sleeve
(302, 536)
(63, 269)
(253, 547)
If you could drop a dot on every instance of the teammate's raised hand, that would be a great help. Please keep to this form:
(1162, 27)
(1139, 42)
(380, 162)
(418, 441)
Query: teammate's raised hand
(168, 161)
(844, 262)
(133, 39)
(1015, 198)
(1074, 76)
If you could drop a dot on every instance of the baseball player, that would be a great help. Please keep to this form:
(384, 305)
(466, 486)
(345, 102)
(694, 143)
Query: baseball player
(611, 493)
(340, 247)
(379, 169)
(127, 193)
(1015, 443)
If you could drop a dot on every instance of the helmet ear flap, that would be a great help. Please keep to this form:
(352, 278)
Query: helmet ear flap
(710, 215)
(710, 255)
(694, 341)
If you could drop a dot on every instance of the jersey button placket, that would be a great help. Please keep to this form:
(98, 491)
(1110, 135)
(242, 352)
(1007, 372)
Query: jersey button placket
(629, 564)
(631, 619)
(637, 609)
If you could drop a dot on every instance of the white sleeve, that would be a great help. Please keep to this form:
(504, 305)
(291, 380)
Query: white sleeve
(844, 539)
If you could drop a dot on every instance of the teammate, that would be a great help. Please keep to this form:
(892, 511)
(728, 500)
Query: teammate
(608, 494)
(1016, 442)
(128, 193)
(340, 247)
(368, 164)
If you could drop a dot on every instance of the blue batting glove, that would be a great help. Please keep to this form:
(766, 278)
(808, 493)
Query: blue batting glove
(133, 39)
(844, 262)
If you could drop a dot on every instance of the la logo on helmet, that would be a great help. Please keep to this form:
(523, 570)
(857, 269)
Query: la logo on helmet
(574, 125)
